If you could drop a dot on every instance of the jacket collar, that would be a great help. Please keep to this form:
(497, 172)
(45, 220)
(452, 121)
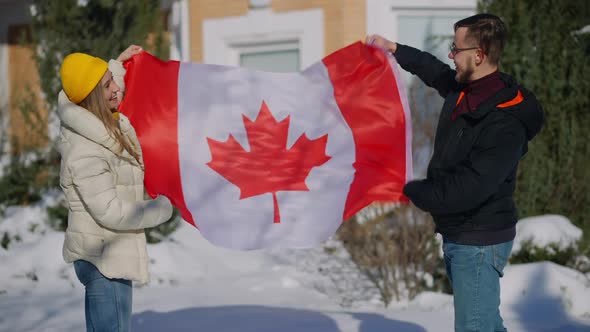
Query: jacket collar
(508, 93)
(84, 123)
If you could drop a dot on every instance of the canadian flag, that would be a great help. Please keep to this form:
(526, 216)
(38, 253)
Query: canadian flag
(257, 159)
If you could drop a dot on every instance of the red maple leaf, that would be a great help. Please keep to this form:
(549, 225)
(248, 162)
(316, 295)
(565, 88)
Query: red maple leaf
(269, 166)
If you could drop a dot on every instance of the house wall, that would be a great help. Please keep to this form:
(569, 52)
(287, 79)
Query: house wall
(19, 80)
(344, 21)
(11, 12)
(200, 10)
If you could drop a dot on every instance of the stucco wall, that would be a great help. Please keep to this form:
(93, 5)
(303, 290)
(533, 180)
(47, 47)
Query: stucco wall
(344, 21)
(16, 68)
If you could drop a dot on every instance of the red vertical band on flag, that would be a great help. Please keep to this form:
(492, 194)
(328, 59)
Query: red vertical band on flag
(151, 104)
(366, 92)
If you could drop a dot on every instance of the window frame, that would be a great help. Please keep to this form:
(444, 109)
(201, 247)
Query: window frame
(224, 39)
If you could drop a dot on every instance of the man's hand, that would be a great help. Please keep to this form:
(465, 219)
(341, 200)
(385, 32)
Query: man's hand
(382, 43)
(129, 52)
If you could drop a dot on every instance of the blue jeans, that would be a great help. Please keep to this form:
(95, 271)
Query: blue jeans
(475, 272)
(107, 301)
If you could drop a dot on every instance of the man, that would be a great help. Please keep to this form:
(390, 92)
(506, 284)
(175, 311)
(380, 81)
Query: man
(484, 126)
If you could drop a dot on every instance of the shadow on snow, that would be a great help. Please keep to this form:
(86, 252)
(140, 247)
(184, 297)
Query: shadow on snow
(252, 318)
(540, 311)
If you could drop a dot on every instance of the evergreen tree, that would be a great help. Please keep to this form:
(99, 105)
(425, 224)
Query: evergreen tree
(103, 28)
(548, 52)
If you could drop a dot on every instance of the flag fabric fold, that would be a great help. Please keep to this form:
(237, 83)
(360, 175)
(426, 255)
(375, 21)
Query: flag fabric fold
(257, 159)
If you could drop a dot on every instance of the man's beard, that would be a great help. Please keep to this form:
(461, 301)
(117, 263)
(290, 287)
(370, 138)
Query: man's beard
(465, 75)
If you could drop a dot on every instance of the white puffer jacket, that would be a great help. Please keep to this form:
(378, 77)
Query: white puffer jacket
(105, 194)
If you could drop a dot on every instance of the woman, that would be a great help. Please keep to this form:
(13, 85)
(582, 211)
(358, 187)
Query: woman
(102, 178)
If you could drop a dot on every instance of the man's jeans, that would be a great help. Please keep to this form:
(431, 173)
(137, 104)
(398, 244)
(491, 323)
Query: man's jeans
(475, 273)
(107, 301)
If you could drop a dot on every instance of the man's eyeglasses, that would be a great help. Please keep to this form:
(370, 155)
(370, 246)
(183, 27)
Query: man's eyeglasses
(454, 50)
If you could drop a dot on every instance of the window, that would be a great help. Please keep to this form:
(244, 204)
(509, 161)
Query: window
(275, 57)
(428, 32)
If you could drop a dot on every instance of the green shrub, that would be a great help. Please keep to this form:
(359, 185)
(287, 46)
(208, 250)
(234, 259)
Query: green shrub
(570, 256)
(5, 242)
(22, 182)
(58, 216)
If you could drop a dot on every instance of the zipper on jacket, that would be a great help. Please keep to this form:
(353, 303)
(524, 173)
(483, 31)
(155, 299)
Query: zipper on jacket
(451, 142)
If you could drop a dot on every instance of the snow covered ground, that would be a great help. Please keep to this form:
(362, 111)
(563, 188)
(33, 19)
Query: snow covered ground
(199, 287)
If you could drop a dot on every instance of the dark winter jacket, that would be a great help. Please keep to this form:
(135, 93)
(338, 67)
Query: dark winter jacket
(472, 174)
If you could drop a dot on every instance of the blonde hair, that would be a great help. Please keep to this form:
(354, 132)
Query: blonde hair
(96, 104)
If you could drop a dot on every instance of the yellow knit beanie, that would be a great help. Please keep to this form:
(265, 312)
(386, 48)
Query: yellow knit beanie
(80, 73)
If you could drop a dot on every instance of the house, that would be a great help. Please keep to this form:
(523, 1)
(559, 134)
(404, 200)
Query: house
(18, 74)
(273, 35)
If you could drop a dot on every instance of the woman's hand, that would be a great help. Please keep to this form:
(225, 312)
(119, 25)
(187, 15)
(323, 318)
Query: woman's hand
(129, 52)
